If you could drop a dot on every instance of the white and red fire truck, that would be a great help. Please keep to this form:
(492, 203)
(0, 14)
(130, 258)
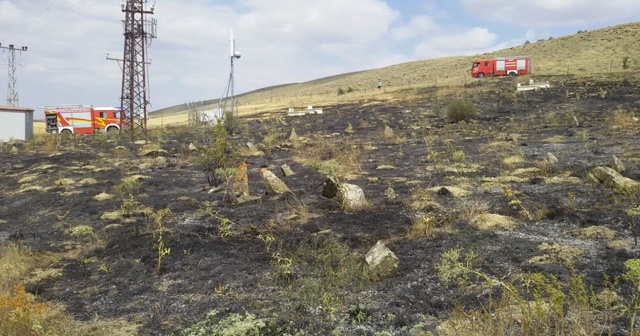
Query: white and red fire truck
(504, 66)
(82, 119)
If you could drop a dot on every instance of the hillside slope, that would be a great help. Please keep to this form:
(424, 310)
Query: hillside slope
(587, 53)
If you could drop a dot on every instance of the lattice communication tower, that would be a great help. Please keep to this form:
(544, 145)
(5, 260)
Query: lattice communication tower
(138, 33)
(12, 93)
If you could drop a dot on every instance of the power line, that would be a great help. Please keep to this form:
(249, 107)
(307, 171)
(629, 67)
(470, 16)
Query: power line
(52, 27)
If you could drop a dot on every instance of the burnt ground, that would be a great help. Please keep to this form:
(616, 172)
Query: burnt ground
(221, 258)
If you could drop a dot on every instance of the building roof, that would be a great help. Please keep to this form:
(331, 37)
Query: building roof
(15, 109)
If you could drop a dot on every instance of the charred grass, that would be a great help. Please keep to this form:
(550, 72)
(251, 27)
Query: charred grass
(101, 236)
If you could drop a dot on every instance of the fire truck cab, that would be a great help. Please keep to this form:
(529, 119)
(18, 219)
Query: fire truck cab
(82, 119)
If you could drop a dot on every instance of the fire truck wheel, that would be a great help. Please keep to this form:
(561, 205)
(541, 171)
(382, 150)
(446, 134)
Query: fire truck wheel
(66, 132)
(512, 74)
(481, 75)
(112, 129)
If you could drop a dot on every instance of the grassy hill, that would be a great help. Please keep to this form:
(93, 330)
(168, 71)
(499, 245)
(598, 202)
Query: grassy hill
(586, 53)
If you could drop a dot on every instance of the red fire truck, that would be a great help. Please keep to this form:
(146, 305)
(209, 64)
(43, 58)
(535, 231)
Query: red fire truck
(82, 119)
(504, 66)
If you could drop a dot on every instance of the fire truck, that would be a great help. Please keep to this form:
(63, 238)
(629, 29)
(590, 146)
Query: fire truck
(504, 66)
(82, 119)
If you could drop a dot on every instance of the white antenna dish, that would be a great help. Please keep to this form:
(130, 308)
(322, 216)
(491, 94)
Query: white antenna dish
(237, 54)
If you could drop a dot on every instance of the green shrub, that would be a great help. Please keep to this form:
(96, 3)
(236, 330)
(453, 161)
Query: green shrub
(232, 325)
(218, 157)
(340, 91)
(461, 110)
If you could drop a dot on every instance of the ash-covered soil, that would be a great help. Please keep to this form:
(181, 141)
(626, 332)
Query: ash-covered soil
(288, 259)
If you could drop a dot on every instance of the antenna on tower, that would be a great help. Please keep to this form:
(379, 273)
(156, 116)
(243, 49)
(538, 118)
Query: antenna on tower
(229, 94)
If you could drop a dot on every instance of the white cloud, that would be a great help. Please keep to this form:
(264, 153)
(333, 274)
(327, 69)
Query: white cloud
(553, 12)
(281, 41)
(452, 42)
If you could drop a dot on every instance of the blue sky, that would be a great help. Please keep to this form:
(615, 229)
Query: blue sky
(281, 41)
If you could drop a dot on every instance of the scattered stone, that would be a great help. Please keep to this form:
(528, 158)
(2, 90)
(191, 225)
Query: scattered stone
(390, 193)
(349, 129)
(382, 261)
(565, 178)
(449, 190)
(215, 189)
(286, 170)
(294, 136)
(192, 147)
(388, 132)
(252, 147)
(14, 150)
(617, 164)
(102, 197)
(489, 221)
(351, 197)
(140, 142)
(614, 180)
(330, 188)
(515, 138)
(273, 184)
(444, 192)
(551, 159)
(385, 167)
(240, 187)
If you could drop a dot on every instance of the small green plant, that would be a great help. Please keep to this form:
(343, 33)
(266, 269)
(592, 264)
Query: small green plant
(127, 191)
(340, 91)
(234, 324)
(461, 110)
(283, 269)
(267, 239)
(159, 219)
(625, 63)
(632, 273)
(516, 202)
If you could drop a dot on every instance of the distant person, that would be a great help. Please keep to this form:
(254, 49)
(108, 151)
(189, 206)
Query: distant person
(379, 85)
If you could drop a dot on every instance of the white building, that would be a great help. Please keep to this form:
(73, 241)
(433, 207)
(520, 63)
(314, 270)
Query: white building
(16, 123)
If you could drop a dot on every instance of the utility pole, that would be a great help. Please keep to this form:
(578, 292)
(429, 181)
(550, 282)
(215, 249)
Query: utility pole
(12, 93)
(233, 54)
(138, 32)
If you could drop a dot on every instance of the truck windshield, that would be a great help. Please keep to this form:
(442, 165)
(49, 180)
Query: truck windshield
(476, 64)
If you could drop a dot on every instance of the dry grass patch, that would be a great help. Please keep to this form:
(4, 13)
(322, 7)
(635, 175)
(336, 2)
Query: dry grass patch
(29, 178)
(557, 254)
(340, 160)
(512, 161)
(103, 197)
(556, 139)
(595, 232)
(622, 119)
(489, 221)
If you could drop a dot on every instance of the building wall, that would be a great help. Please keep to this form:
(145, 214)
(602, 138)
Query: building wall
(16, 123)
